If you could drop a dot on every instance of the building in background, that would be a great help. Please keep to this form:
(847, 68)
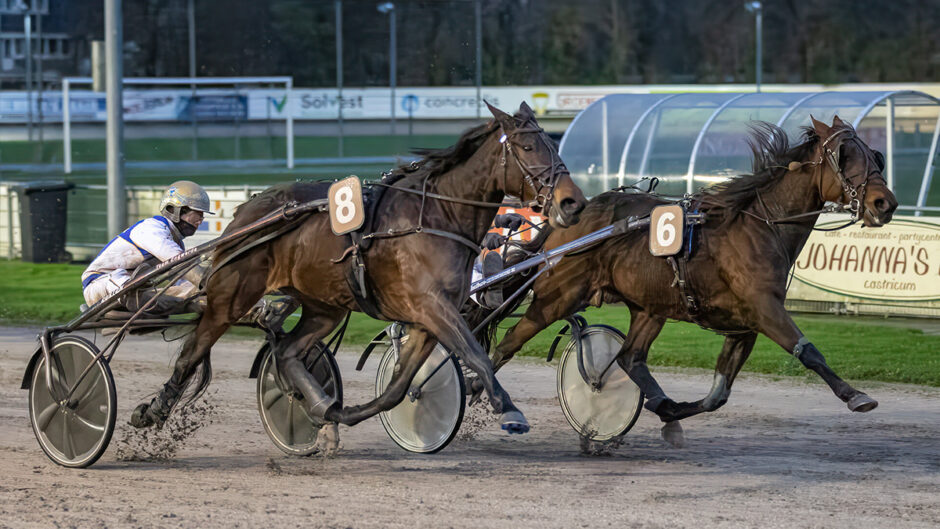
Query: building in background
(56, 50)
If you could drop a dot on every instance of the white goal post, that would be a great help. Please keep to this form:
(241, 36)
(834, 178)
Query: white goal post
(182, 83)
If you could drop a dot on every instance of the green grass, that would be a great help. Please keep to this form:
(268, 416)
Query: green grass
(856, 348)
(246, 148)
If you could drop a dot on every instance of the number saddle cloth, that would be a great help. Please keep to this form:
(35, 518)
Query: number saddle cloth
(359, 242)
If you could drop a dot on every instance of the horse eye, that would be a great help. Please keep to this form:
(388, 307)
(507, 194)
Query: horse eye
(526, 147)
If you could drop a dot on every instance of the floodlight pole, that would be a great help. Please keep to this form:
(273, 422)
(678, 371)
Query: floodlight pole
(388, 8)
(478, 26)
(191, 22)
(114, 73)
(28, 54)
(758, 9)
(339, 73)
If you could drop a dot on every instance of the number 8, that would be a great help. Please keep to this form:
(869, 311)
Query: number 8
(665, 232)
(345, 207)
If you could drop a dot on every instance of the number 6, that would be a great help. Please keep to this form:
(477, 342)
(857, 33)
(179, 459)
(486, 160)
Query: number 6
(665, 232)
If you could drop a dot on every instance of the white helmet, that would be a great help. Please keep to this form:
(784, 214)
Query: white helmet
(184, 194)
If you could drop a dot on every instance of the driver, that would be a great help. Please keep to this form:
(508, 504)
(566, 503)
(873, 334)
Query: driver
(150, 240)
(158, 239)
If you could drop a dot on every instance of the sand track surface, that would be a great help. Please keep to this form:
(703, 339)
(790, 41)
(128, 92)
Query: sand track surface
(781, 453)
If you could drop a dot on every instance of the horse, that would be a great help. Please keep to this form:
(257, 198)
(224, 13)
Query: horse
(735, 271)
(425, 233)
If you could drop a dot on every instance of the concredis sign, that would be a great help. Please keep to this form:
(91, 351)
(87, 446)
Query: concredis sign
(897, 262)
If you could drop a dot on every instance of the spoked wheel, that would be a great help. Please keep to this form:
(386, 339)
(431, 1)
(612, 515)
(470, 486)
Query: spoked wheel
(604, 412)
(73, 420)
(282, 411)
(429, 417)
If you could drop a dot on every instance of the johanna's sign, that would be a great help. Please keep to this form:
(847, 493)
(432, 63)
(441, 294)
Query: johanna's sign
(897, 262)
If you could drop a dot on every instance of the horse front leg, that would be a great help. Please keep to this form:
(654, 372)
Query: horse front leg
(414, 353)
(777, 325)
(445, 323)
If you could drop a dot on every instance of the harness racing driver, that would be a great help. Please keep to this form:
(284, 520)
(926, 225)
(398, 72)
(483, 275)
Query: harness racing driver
(158, 239)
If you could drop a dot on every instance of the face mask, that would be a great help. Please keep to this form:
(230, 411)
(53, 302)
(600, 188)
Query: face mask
(186, 229)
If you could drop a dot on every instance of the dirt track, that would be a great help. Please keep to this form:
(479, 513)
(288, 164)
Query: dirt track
(782, 453)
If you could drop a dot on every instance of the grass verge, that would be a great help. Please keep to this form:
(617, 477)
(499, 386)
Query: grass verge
(856, 348)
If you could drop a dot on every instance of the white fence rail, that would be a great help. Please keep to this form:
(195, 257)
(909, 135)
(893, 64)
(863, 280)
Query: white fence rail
(142, 201)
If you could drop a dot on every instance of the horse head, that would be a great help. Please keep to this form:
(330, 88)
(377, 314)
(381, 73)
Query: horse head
(533, 170)
(854, 173)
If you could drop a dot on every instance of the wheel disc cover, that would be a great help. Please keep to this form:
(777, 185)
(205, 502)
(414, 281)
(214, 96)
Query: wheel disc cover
(77, 433)
(598, 415)
(282, 412)
(428, 423)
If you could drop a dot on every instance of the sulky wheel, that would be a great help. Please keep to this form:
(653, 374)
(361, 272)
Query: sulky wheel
(428, 418)
(604, 412)
(74, 418)
(282, 411)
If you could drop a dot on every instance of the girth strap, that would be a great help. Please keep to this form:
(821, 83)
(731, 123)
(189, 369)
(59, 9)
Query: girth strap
(680, 269)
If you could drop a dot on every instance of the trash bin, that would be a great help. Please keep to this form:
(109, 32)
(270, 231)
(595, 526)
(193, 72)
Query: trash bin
(43, 219)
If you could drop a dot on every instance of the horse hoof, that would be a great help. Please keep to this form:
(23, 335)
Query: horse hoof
(514, 422)
(862, 403)
(672, 434)
(140, 418)
(328, 440)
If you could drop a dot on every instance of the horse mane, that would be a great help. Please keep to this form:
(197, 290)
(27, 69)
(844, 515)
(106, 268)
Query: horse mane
(435, 162)
(772, 153)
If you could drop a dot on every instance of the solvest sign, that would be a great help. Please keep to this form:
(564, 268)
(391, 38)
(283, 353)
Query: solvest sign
(899, 262)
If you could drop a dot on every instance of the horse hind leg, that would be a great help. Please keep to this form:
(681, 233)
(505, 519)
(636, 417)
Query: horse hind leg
(224, 305)
(644, 328)
(734, 352)
(291, 353)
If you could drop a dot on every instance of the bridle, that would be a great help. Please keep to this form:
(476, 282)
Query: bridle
(532, 174)
(855, 194)
(508, 151)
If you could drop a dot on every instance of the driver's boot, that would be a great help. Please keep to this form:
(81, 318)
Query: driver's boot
(492, 265)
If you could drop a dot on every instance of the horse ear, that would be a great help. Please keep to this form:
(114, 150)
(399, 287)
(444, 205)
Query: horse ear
(526, 111)
(821, 128)
(504, 119)
(836, 122)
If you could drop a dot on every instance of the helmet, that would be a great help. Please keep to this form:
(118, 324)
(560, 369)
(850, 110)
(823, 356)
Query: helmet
(183, 194)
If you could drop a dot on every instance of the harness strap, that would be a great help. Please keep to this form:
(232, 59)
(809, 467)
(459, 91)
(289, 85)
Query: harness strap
(465, 201)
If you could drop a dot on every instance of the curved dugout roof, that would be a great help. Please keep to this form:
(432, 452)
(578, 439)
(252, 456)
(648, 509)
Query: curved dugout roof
(689, 140)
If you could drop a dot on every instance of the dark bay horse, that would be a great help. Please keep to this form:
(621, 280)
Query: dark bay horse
(737, 272)
(432, 215)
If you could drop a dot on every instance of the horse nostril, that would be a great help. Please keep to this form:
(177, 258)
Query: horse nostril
(881, 205)
(571, 206)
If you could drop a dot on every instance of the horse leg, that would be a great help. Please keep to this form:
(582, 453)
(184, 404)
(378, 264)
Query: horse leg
(542, 312)
(644, 328)
(446, 324)
(414, 353)
(735, 351)
(224, 305)
(312, 328)
(777, 325)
